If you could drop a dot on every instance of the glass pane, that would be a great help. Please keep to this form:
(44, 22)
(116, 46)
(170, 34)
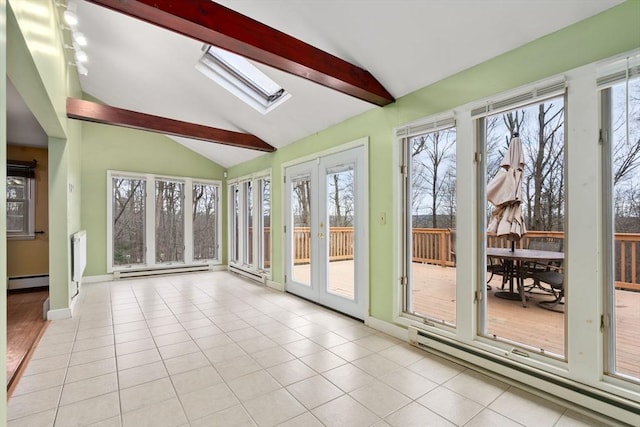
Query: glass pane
(266, 224)
(248, 223)
(301, 241)
(205, 220)
(340, 243)
(526, 186)
(128, 221)
(235, 226)
(432, 214)
(169, 221)
(16, 217)
(626, 210)
(16, 188)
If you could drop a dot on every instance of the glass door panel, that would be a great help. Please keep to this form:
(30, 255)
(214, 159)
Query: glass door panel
(205, 241)
(301, 230)
(340, 237)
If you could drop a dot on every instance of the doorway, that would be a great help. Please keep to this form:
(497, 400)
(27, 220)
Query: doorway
(326, 249)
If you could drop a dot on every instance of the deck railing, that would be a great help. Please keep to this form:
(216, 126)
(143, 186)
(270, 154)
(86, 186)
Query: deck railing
(434, 246)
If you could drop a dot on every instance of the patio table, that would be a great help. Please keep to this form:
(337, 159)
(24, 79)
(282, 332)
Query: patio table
(514, 261)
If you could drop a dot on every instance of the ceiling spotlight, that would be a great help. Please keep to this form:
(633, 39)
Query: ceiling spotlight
(70, 16)
(81, 56)
(82, 70)
(79, 38)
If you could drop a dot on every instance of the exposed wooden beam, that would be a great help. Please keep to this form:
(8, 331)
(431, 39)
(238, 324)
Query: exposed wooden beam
(99, 113)
(220, 26)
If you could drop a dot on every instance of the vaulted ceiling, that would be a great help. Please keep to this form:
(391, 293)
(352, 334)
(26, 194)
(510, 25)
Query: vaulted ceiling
(404, 44)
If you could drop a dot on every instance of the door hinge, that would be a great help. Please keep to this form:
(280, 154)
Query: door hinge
(604, 322)
(284, 179)
(477, 157)
(403, 281)
(285, 228)
(285, 278)
(478, 296)
(403, 170)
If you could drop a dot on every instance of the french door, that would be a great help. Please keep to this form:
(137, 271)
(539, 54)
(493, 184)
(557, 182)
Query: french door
(326, 251)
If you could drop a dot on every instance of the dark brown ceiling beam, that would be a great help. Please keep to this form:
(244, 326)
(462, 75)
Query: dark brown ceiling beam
(98, 113)
(217, 25)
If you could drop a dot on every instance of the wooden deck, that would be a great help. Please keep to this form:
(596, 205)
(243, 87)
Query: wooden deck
(535, 327)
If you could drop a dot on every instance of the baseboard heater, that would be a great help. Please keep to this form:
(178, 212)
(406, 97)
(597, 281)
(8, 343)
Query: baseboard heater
(25, 282)
(248, 273)
(541, 383)
(158, 271)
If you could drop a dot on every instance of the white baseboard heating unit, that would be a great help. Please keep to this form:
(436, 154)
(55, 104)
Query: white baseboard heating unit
(247, 273)
(122, 274)
(78, 255)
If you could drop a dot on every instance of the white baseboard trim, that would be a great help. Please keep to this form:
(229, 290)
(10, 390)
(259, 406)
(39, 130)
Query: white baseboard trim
(274, 285)
(59, 314)
(386, 327)
(97, 279)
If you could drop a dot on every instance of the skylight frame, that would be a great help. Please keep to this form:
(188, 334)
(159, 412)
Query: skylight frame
(241, 78)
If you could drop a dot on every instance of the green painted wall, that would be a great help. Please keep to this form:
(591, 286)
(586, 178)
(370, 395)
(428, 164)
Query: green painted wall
(604, 35)
(114, 148)
(38, 67)
(3, 204)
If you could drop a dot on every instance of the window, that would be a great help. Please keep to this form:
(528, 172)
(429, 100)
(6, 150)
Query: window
(150, 229)
(621, 138)
(539, 126)
(429, 157)
(242, 79)
(20, 199)
(250, 221)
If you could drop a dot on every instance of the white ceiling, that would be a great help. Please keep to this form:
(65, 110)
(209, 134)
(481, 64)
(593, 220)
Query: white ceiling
(405, 44)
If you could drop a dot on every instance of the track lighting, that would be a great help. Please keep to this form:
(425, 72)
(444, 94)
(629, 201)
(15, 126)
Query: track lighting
(70, 16)
(79, 38)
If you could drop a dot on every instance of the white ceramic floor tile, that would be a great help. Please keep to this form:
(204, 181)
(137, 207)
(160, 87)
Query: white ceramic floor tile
(141, 374)
(402, 354)
(207, 401)
(180, 349)
(348, 377)
(290, 372)
(303, 347)
(111, 422)
(88, 411)
(527, 409)
(237, 367)
(272, 356)
(135, 346)
(252, 385)
(39, 382)
(376, 343)
(409, 383)
(32, 403)
(489, 418)
(573, 419)
(323, 361)
(146, 394)
(138, 359)
(41, 419)
(314, 391)
(91, 369)
(477, 387)
(436, 368)
(376, 365)
(196, 379)
(380, 399)
(135, 335)
(47, 364)
(88, 388)
(450, 405)
(173, 338)
(345, 411)
(236, 416)
(350, 351)
(305, 420)
(212, 341)
(416, 415)
(262, 407)
(186, 362)
(223, 353)
(168, 413)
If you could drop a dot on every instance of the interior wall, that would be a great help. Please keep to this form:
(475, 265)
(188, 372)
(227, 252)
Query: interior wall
(3, 204)
(31, 257)
(115, 148)
(579, 44)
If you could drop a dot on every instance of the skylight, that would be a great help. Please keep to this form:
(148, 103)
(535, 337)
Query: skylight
(241, 78)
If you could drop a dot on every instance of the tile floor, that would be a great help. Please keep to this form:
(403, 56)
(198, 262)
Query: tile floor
(212, 349)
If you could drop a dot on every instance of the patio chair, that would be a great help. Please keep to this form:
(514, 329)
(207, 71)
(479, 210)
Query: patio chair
(533, 270)
(555, 280)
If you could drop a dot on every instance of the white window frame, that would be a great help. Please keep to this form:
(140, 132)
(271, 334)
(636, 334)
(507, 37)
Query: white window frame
(150, 225)
(255, 267)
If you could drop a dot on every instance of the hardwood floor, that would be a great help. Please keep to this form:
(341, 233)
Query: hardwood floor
(25, 325)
